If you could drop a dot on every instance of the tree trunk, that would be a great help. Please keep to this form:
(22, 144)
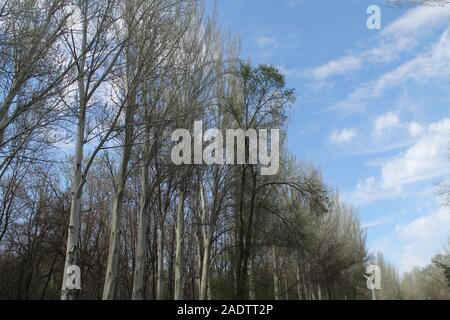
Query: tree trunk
(248, 247)
(117, 213)
(206, 241)
(171, 265)
(311, 290)
(286, 288)
(239, 241)
(72, 241)
(205, 270)
(73, 235)
(114, 246)
(299, 283)
(251, 281)
(199, 264)
(141, 247)
(178, 294)
(160, 254)
(210, 296)
(276, 275)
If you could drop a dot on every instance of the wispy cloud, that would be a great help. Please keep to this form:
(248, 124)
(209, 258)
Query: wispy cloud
(343, 136)
(336, 67)
(424, 160)
(386, 132)
(419, 19)
(402, 35)
(431, 65)
(378, 222)
(371, 190)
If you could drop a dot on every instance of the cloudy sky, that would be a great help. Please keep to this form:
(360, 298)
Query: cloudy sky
(373, 108)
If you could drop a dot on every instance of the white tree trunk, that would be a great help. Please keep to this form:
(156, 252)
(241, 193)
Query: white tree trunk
(178, 294)
(299, 283)
(206, 242)
(141, 246)
(117, 213)
(286, 288)
(205, 270)
(160, 253)
(73, 235)
(276, 275)
(72, 243)
(312, 291)
(114, 247)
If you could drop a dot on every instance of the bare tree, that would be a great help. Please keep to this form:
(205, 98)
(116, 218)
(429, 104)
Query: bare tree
(97, 53)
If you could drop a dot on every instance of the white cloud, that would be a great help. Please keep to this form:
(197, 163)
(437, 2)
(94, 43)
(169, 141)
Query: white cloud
(423, 238)
(378, 222)
(369, 191)
(406, 32)
(402, 35)
(390, 49)
(386, 123)
(419, 19)
(335, 67)
(344, 136)
(384, 133)
(415, 243)
(415, 129)
(367, 185)
(426, 228)
(432, 65)
(426, 158)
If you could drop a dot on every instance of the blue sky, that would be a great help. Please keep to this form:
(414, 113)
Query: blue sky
(373, 107)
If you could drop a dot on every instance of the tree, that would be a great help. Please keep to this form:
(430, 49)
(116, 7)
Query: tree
(96, 54)
(260, 102)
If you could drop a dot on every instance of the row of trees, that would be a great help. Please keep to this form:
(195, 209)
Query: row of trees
(91, 91)
(297, 251)
(90, 94)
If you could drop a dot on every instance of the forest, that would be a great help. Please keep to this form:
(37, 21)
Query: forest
(90, 94)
